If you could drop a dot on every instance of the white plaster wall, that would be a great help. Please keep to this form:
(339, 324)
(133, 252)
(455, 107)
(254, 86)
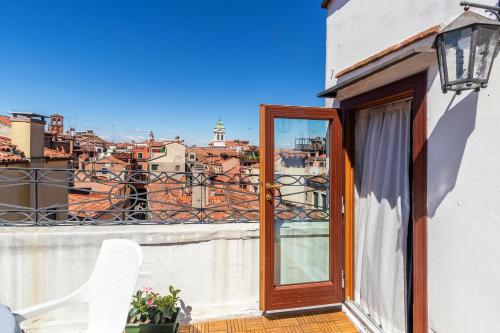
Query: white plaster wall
(463, 208)
(358, 29)
(463, 161)
(215, 266)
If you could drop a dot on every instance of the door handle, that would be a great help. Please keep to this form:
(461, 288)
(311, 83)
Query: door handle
(270, 186)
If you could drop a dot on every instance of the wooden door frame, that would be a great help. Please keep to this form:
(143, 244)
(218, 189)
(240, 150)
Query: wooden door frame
(319, 293)
(412, 87)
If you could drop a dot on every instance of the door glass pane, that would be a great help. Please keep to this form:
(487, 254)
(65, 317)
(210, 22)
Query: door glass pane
(301, 202)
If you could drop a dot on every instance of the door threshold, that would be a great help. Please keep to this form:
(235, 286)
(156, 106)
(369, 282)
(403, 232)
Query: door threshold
(334, 306)
(358, 317)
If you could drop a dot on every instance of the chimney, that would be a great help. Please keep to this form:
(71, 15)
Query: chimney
(28, 134)
(199, 192)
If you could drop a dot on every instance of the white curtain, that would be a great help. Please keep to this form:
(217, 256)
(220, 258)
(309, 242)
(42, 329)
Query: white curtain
(382, 211)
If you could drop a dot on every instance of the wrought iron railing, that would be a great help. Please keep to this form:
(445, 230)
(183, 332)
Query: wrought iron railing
(46, 197)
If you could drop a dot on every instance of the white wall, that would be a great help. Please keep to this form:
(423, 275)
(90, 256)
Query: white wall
(463, 208)
(463, 161)
(359, 29)
(215, 266)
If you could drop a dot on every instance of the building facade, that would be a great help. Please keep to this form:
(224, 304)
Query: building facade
(374, 51)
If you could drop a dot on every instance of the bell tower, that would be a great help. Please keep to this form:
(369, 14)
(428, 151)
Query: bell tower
(219, 139)
(56, 126)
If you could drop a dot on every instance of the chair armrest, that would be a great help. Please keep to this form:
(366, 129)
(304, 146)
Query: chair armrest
(36, 310)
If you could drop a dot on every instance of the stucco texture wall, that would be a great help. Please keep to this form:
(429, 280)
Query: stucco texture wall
(463, 210)
(463, 161)
(215, 266)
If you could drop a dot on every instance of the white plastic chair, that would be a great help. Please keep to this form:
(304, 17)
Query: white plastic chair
(108, 291)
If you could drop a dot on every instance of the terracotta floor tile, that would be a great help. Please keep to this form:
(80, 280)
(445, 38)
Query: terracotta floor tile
(311, 328)
(275, 330)
(184, 329)
(293, 329)
(305, 318)
(289, 321)
(199, 328)
(271, 322)
(236, 325)
(219, 326)
(306, 322)
(254, 324)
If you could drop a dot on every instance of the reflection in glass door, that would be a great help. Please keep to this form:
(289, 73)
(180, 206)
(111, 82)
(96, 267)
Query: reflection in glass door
(301, 205)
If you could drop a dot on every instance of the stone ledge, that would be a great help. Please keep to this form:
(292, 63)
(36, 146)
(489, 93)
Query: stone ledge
(145, 235)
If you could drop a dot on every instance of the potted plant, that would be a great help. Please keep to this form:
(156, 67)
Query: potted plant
(151, 312)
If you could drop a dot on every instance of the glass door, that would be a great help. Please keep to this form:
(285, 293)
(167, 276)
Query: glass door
(301, 207)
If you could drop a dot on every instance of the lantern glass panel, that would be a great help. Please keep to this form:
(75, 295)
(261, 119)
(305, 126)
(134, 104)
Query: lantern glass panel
(457, 44)
(487, 41)
(440, 60)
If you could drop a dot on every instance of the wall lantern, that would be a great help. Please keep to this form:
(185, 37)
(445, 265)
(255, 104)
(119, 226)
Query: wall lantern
(466, 50)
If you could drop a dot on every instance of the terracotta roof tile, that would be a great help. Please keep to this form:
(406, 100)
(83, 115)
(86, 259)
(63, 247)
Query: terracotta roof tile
(9, 152)
(123, 156)
(5, 120)
(10, 157)
(53, 154)
(5, 140)
(110, 159)
(9, 149)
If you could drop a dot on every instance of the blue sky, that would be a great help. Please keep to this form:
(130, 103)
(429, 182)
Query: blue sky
(174, 67)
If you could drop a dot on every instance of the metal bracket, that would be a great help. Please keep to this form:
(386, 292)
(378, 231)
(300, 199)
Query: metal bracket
(495, 10)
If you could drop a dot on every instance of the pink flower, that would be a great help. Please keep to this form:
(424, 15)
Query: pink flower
(149, 302)
(146, 289)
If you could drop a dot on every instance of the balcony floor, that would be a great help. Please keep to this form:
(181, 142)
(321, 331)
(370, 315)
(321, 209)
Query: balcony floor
(306, 322)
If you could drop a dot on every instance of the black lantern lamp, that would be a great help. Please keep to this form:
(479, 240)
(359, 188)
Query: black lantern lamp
(466, 50)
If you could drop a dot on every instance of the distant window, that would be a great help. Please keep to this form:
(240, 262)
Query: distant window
(139, 166)
(154, 167)
(139, 155)
(177, 168)
(163, 150)
(323, 202)
(316, 200)
(104, 170)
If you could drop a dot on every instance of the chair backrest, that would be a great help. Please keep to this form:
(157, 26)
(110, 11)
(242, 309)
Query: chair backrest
(111, 285)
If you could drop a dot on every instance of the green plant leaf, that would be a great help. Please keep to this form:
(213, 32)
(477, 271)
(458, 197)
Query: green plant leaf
(157, 318)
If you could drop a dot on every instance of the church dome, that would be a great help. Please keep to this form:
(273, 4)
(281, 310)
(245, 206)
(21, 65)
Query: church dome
(219, 124)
